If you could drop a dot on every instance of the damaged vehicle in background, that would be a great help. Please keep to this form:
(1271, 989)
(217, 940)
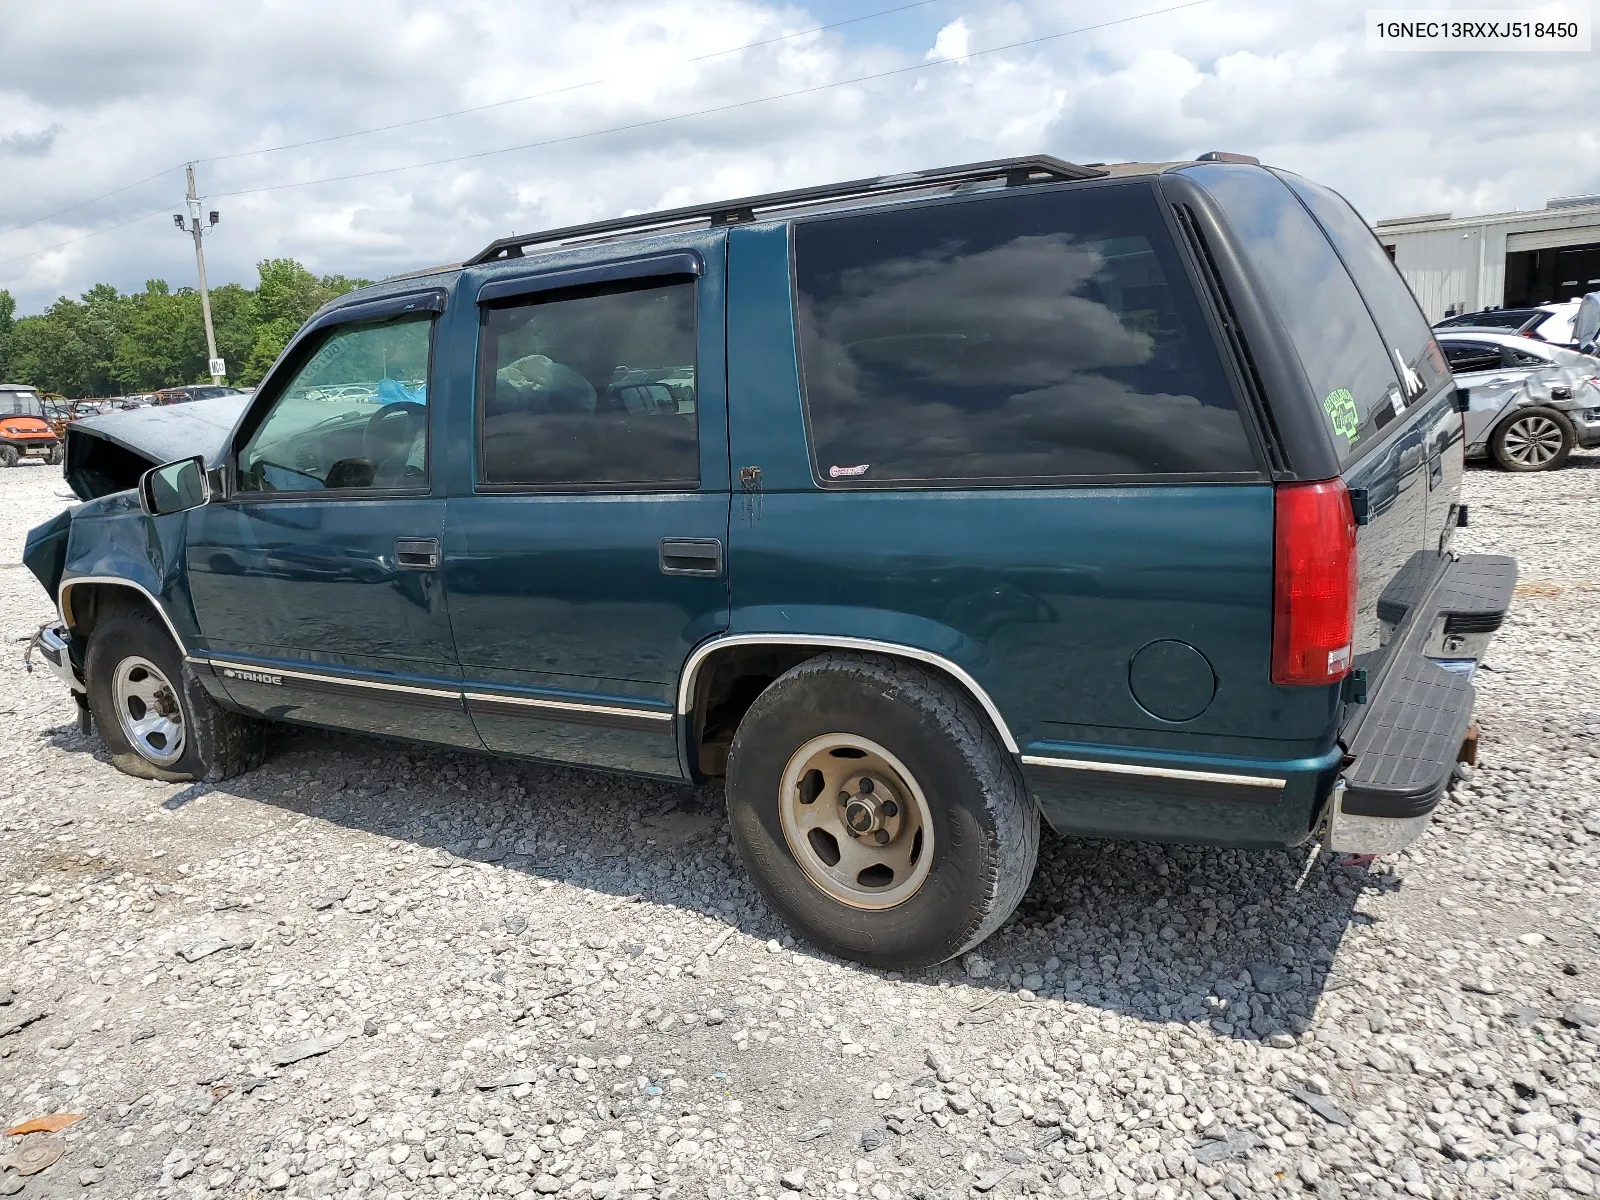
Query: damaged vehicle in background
(25, 428)
(1529, 405)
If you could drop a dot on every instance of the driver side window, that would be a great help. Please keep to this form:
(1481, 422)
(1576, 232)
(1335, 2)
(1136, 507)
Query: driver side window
(354, 415)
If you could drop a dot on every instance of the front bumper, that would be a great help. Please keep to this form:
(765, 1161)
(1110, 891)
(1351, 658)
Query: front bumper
(31, 447)
(53, 647)
(1405, 742)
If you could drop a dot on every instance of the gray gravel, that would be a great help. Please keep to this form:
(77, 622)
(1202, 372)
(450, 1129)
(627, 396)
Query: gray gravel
(369, 970)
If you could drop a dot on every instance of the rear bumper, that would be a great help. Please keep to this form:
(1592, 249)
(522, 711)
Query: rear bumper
(1404, 743)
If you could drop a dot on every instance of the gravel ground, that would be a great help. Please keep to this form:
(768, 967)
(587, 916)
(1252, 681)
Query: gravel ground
(369, 970)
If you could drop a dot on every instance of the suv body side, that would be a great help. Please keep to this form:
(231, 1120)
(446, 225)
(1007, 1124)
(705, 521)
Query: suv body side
(1116, 630)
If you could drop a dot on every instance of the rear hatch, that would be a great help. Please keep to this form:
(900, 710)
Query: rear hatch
(1383, 394)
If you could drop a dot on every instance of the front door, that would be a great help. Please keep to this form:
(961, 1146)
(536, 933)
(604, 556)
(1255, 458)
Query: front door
(316, 585)
(584, 559)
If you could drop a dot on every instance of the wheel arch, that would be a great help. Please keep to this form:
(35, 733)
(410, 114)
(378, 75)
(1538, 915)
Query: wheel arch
(85, 599)
(768, 654)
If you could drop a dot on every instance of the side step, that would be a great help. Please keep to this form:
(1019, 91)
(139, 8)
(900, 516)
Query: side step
(1406, 747)
(1476, 593)
(1473, 597)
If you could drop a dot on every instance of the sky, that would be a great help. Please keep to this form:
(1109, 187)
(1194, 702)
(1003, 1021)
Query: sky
(644, 104)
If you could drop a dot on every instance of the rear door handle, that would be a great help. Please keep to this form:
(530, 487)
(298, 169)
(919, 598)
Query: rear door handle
(691, 556)
(416, 554)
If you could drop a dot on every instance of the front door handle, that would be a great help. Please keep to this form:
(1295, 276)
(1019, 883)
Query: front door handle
(416, 554)
(691, 556)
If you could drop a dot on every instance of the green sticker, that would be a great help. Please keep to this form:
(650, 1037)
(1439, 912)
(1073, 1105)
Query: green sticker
(1340, 406)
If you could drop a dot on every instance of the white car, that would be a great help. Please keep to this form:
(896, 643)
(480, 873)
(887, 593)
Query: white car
(1529, 403)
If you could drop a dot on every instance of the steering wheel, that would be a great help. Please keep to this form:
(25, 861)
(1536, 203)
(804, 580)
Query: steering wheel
(391, 430)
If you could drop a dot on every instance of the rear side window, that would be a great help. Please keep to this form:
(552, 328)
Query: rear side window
(592, 387)
(1472, 356)
(1029, 337)
(1345, 361)
(1405, 330)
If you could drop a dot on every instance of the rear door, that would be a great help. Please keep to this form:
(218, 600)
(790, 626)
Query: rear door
(584, 548)
(1382, 405)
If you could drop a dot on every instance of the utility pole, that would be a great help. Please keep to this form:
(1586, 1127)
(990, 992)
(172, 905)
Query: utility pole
(217, 366)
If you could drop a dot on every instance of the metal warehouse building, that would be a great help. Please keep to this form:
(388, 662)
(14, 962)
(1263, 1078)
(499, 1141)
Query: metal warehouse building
(1500, 260)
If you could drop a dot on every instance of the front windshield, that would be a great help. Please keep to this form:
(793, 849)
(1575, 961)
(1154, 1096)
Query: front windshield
(20, 404)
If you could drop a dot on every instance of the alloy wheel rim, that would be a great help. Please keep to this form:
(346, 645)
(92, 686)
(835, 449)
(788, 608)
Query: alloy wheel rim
(1533, 441)
(148, 711)
(856, 821)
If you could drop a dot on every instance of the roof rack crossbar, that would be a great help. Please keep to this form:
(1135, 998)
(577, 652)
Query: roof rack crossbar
(1015, 172)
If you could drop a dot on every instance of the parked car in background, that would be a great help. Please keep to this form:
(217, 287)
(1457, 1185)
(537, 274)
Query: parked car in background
(918, 509)
(1586, 325)
(25, 429)
(1551, 323)
(1529, 403)
(192, 391)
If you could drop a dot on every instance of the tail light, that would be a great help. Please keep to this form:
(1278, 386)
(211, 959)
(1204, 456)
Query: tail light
(1313, 583)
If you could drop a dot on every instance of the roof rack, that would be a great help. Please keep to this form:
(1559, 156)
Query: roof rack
(1016, 172)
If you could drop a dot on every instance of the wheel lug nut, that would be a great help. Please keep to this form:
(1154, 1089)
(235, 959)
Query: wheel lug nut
(881, 837)
(891, 809)
(844, 797)
(866, 787)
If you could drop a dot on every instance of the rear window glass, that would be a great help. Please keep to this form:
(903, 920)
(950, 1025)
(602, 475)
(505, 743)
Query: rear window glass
(1345, 360)
(1035, 336)
(1405, 330)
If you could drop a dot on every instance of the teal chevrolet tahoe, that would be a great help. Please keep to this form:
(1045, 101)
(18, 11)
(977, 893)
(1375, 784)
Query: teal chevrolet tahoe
(916, 509)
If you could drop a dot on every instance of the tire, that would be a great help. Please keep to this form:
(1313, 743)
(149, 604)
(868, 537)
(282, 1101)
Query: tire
(54, 457)
(10, 456)
(132, 656)
(922, 741)
(1533, 439)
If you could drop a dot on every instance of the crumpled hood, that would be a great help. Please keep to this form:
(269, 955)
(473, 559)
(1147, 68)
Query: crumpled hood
(108, 453)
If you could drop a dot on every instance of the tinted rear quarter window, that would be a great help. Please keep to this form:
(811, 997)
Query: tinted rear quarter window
(1020, 337)
(1405, 330)
(1345, 360)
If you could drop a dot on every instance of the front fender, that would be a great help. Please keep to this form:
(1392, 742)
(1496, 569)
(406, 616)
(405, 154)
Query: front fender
(113, 541)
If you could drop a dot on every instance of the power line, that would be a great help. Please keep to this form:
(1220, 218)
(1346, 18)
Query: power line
(573, 87)
(85, 236)
(460, 112)
(721, 108)
(84, 204)
(922, 66)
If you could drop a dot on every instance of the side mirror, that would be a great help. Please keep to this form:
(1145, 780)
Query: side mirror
(174, 487)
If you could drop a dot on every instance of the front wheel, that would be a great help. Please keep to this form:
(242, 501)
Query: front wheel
(10, 456)
(154, 716)
(1533, 439)
(877, 811)
(54, 457)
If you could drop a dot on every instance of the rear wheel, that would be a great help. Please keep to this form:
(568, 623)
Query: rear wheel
(154, 716)
(10, 456)
(877, 811)
(1533, 439)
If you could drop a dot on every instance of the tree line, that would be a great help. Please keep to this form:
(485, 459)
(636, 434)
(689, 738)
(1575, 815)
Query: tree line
(109, 344)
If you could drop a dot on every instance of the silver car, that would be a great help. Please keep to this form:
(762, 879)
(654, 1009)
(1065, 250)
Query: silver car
(1529, 404)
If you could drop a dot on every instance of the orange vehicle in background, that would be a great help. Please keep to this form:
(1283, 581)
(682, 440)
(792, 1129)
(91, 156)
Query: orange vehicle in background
(24, 430)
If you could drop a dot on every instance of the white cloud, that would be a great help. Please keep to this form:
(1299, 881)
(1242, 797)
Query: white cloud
(952, 41)
(98, 93)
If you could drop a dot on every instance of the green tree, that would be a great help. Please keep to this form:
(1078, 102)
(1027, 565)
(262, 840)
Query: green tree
(105, 343)
(8, 313)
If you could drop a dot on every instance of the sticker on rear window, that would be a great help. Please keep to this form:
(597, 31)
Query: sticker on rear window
(847, 472)
(1340, 406)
